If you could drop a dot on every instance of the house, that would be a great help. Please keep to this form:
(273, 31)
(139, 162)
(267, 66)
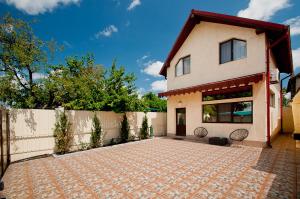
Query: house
(294, 88)
(223, 74)
(294, 85)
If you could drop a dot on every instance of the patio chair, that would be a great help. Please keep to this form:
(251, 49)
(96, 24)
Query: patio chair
(200, 132)
(238, 135)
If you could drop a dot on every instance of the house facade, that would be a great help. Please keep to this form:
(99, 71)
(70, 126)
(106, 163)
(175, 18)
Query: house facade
(294, 89)
(223, 74)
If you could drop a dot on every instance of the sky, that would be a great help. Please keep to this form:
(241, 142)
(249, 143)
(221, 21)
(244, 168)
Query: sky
(138, 34)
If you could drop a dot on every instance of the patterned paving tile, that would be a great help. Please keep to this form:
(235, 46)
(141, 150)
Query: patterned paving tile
(159, 168)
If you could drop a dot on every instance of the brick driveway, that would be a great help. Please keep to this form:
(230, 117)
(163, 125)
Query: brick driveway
(159, 168)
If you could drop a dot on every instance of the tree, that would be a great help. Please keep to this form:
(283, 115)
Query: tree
(120, 87)
(285, 100)
(153, 103)
(125, 129)
(78, 85)
(62, 134)
(144, 129)
(22, 55)
(96, 133)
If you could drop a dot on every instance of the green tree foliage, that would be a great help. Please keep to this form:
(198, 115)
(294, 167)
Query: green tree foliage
(151, 131)
(78, 84)
(144, 129)
(96, 135)
(153, 103)
(121, 90)
(124, 129)
(21, 56)
(62, 134)
(285, 101)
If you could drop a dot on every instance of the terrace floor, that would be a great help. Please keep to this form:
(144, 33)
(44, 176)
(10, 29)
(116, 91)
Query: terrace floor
(159, 168)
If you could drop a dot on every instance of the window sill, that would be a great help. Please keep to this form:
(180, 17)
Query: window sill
(182, 75)
(232, 61)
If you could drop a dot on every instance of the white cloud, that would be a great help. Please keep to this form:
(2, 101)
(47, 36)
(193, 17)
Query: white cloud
(145, 57)
(127, 24)
(34, 7)
(141, 92)
(107, 32)
(133, 4)
(294, 24)
(153, 68)
(67, 44)
(288, 95)
(159, 85)
(296, 57)
(141, 61)
(263, 9)
(36, 76)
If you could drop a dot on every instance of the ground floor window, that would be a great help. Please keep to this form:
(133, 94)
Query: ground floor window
(235, 112)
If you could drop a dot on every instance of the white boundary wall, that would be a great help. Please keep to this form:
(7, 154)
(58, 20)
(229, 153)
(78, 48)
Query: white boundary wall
(31, 130)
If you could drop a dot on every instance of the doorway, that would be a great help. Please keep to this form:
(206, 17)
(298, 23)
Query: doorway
(180, 122)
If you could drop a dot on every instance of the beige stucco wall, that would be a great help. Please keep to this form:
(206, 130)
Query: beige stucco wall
(31, 130)
(287, 120)
(296, 112)
(275, 114)
(203, 46)
(193, 104)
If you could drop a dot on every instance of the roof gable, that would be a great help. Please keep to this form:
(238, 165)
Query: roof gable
(281, 51)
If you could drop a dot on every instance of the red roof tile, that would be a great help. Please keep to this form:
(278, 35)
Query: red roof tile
(217, 86)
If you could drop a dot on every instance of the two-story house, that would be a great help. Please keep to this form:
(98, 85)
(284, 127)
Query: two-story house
(222, 74)
(294, 89)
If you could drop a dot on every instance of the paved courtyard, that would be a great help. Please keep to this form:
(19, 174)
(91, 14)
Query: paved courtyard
(159, 168)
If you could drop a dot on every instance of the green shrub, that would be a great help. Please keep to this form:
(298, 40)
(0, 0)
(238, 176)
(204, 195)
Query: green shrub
(83, 146)
(151, 131)
(96, 135)
(124, 129)
(62, 134)
(144, 129)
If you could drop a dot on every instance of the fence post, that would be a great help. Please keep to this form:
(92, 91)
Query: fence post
(1, 141)
(8, 136)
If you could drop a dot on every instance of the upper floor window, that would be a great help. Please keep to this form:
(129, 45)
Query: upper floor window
(233, 49)
(183, 66)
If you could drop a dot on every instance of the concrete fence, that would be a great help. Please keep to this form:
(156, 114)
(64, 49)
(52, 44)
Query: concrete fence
(31, 130)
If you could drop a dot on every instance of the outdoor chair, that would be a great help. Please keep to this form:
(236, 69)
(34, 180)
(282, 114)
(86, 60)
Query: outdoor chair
(238, 135)
(200, 132)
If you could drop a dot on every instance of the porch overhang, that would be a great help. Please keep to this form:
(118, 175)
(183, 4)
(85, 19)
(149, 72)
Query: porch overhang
(217, 87)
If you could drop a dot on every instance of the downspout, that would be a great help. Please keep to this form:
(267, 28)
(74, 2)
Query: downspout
(268, 92)
(281, 104)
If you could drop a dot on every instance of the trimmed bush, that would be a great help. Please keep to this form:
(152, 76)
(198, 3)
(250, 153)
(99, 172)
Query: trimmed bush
(151, 132)
(144, 129)
(62, 134)
(96, 135)
(124, 129)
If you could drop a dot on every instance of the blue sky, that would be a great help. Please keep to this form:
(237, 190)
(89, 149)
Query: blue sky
(137, 33)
